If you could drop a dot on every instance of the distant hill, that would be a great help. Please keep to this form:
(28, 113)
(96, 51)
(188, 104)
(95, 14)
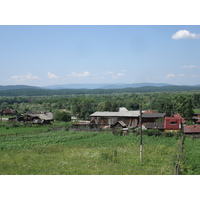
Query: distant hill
(16, 87)
(74, 86)
(103, 86)
(37, 91)
(133, 85)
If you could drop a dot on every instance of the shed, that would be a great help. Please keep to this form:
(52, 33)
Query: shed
(120, 125)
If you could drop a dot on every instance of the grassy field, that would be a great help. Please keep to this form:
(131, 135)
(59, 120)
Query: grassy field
(40, 150)
(190, 163)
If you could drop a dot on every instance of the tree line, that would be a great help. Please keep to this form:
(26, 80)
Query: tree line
(84, 105)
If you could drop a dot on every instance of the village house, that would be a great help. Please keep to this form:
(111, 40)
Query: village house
(8, 112)
(108, 119)
(172, 124)
(34, 118)
(152, 117)
(124, 119)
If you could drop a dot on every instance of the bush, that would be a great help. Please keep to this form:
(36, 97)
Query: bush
(151, 132)
(168, 134)
(68, 126)
(62, 116)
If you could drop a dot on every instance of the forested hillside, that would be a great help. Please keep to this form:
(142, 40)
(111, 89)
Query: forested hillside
(34, 91)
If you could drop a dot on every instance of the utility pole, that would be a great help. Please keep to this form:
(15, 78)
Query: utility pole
(140, 123)
(1, 115)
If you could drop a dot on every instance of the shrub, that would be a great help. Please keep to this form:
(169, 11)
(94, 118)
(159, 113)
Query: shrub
(68, 126)
(151, 132)
(62, 116)
(168, 134)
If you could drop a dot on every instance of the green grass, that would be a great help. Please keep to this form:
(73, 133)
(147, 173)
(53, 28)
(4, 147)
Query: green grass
(190, 162)
(196, 111)
(64, 152)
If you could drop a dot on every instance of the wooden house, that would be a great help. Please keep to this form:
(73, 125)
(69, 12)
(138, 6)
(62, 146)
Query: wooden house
(108, 119)
(8, 112)
(35, 118)
(152, 117)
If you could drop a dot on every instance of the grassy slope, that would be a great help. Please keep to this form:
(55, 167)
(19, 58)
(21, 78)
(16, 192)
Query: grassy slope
(190, 163)
(65, 152)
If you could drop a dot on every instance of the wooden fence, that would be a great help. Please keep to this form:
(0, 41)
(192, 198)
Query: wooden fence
(177, 165)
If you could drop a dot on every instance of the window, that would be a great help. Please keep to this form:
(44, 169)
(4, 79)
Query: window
(173, 123)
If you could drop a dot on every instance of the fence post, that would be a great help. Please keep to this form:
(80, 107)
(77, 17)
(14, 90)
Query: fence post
(140, 124)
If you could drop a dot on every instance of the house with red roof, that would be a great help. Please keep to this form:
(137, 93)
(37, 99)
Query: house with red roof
(172, 124)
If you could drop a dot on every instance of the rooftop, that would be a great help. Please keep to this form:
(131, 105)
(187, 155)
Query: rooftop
(116, 114)
(191, 129)
(153, 115)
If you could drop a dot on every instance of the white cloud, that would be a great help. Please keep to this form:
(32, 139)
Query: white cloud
(29, 76)
(52, 76)
(118, 75)
(170, 75)
(74, 74)
(195, 76)
(109, 72)
(181, 75)
(190, 66)
(185, 34)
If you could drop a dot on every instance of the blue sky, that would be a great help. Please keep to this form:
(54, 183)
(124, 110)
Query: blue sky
(50, 55)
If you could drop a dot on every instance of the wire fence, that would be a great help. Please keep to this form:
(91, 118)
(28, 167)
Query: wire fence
(177, 165)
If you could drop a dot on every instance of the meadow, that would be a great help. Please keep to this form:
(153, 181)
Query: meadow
(190, 162)
(45, 151)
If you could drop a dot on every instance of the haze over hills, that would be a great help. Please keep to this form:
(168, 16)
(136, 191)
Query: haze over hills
(83, 86)
(82, 89)
(93, 86)
(104, 86)
(16, 87)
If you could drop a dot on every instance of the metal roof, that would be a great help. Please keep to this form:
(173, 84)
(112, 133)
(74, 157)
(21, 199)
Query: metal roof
(43, 116)
(46, 116)
(122, 109)
(116, 114)
(153, 115)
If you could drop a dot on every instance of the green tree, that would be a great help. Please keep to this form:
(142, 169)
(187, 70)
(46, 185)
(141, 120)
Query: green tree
(62, 116)
(162, 104)
(183, 105)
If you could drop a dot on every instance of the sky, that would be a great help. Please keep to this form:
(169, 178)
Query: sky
(42, 55)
